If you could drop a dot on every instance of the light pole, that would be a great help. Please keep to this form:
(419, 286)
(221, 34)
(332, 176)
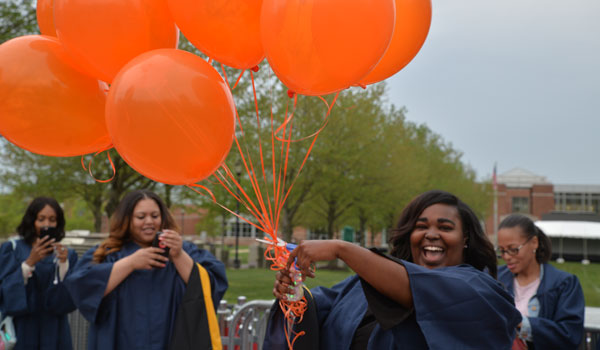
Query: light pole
(238, 174)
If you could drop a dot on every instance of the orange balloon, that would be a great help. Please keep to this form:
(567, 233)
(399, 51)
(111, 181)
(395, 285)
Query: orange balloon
(226, 30)
(103, 35)
(317, 47)
(171, 116)
(413, 18)
(45, 17)
(46, 106)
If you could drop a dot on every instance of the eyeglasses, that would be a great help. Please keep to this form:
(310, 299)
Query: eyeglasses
(511, 251)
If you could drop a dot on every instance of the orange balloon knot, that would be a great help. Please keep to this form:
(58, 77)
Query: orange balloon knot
(363, 86)
(254, 69)
(291, 93)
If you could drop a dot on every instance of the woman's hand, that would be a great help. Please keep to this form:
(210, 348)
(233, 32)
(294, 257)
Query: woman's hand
(309, 252)
(62, 253)
(147, 258)
(173, 240)
(283, 284)
(41, 248)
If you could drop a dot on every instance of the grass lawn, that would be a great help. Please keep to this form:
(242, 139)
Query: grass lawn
(258, 283)
(589, 277)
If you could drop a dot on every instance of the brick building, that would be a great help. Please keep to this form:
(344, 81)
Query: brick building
(521, 191)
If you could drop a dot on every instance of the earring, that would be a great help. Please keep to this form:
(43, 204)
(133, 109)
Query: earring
(535, 250)
(466, 246)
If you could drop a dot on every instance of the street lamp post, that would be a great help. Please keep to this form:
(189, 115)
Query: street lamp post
(238, 173)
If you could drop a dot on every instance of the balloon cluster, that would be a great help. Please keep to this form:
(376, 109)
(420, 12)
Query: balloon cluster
(107, 72)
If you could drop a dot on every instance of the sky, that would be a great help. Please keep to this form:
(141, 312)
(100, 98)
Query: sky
(516, 82)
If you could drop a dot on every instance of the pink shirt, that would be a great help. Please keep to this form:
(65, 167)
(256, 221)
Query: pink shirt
(524, 293)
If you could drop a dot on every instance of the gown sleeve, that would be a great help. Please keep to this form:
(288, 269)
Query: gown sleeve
(565, 329)
(461, 307)
(13, 291)
(57, 299)
(86, 283)
(214, 267)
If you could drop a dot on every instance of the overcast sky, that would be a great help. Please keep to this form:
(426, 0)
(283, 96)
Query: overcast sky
(515, 82)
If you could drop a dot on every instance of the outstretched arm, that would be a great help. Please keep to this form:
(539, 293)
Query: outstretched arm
(386, 276)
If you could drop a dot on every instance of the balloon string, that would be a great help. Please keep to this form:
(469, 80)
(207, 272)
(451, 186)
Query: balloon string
(89, 168)
(262, 162)
(285, 146)
(325, 121)
(212, 196)
(238, 79)
(191, 186)
(258, 214)
(223, 181)
(293, 311)
(267, 209)
(329, 107)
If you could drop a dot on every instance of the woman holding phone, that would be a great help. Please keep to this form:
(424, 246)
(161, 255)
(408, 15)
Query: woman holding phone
(134, 292)
(32, 270)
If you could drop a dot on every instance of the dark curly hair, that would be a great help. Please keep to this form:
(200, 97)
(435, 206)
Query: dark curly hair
(479, 252)
(530, 230)
(121, 219)
(26, 228)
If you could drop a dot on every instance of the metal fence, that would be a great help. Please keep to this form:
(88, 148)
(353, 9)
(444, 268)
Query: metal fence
(242, 325)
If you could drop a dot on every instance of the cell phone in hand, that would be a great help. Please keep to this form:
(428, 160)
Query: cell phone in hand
(52, 232)
(159, 244)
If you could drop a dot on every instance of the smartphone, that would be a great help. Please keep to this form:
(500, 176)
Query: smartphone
(52, 232)
(157, 243)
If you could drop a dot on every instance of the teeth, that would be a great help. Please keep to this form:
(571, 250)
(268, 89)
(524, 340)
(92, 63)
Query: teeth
(433, 249)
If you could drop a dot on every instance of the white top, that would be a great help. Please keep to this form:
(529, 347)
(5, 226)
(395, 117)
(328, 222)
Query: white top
(524, 293)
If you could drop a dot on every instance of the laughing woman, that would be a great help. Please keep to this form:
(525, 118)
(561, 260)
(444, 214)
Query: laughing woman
(437, 290)
(550, 300)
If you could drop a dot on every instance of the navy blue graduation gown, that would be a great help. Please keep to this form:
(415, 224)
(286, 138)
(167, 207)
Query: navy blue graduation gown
(559, 323)
(455, 307)
(140, 312)
(40, 308)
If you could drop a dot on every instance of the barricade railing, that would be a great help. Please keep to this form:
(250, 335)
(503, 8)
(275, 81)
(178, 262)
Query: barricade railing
(591, 336)
(243, 325)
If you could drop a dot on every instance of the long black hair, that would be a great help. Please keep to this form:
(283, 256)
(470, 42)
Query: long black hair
(479, 252)
(530, 230)
(26, 228)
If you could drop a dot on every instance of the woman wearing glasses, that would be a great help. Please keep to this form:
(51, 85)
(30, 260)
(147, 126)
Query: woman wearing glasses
(550, 300)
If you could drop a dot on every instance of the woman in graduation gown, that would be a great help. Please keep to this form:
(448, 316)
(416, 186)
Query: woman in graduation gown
(32, 270)
(550, 300)
(437, 290)
(127, 290)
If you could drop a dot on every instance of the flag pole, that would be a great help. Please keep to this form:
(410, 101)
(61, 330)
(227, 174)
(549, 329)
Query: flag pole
(495, 185)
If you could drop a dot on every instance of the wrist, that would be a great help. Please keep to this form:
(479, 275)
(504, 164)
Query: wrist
(180, 256)
(127, 264)
(342, 248)
(29, 262)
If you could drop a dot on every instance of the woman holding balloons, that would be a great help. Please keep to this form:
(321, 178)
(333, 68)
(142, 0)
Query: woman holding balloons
(437, 290)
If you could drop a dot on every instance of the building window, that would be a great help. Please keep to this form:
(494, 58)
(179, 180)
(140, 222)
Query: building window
(520, 205)
(246, 230)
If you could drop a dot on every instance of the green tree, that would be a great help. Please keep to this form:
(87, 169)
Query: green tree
(64, 178)
(17, 17)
